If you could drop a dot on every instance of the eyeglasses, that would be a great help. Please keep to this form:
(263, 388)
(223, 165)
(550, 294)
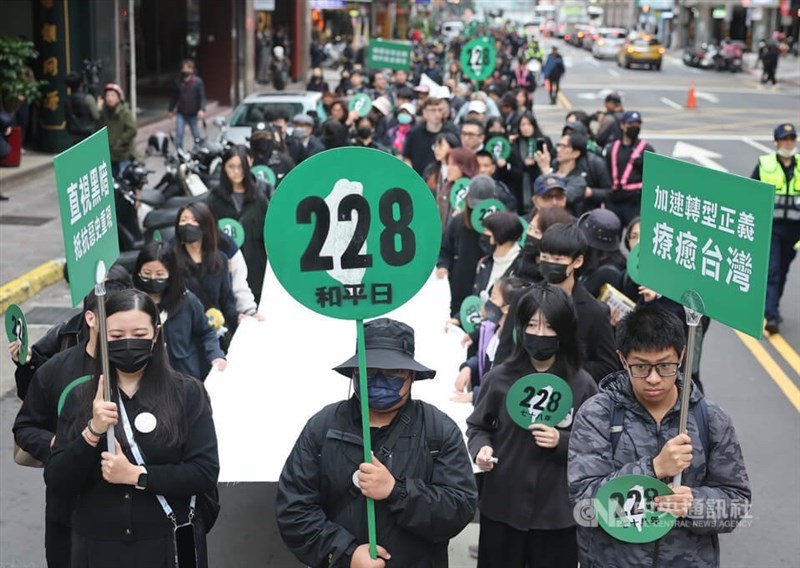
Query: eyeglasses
(470, 134)
(560, 145)
(643, 370)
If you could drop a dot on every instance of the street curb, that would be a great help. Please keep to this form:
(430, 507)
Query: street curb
(30, 283)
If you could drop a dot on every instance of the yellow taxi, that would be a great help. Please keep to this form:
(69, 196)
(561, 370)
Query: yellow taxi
(641, 49)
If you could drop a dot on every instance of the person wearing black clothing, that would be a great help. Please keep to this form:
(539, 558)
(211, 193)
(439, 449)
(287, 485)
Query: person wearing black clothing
(531, 463)
(305, 144)
(488, 167)
(504, 230)
(420, 476)
(523, 169)
(417, 149)
(593, 168)
(166, 445)
(80, 109)
(610, 128)
(604, 262)
(364, 135)
(625, 161)
(317, 83)
(552, 71)
(265, 149)
(188, 101)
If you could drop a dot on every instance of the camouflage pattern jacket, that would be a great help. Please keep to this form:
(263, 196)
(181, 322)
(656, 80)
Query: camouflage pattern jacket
(717, 476)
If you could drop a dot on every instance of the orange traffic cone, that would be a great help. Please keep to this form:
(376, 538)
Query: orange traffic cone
(691, 101)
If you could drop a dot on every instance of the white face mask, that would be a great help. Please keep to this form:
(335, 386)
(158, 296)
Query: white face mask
(787, 152)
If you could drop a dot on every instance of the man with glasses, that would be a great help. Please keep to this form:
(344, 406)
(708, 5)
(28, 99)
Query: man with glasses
(473, 135)
(631, 428)
(420, 475)
(570, 149)
(417, 151)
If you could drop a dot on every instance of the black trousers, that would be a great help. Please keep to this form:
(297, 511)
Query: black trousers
(57, 539)
(501, 546)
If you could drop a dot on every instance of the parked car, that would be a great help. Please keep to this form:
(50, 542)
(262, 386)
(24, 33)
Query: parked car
(641, 50)
(608, 42)
(254, 109)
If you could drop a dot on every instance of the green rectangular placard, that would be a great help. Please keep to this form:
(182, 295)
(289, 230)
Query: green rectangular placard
(88, 216)
(707, 234)
(385, 54)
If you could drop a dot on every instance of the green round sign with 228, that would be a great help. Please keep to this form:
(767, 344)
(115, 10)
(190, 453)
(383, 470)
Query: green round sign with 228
(354, 233)
(539, 398)
(499, 147)
(478, 58)
(470, 313)
(521, 240)
(625, 508)
(361, 103)
(483, 210)
(633, 264)
(233, 229)
(458, 193)
(265, 173)
(17, 330)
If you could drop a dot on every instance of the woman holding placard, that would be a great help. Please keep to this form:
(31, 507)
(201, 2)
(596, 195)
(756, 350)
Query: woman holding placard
(146, 502)
(523, 169)
(519, 434)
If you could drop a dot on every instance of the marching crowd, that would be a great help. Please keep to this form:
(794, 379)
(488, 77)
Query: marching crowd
(557, 299)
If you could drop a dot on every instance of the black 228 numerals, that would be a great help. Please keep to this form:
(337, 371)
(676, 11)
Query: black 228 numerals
(395, 229)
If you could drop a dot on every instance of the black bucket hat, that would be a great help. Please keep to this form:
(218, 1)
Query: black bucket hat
(602, 228)
(389, 344)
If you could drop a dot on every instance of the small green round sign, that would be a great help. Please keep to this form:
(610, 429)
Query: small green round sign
(17, 330)
(265, 173)
(633, 264)
(458, 193)
(625, 509)
(470, 313)
(478, 58)
(499, 147)
(539, 398)
(483, 210)
(354, 233)
(361, 103)
(157, 236)
(233, 229)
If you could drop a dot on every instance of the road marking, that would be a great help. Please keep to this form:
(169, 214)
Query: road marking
(669, 135)
(562, 98)
(671, 104)
(780, 378)
(594, 62)
(783, 347)
(757, 146)
(702, 156)
(651, 86)
(613, 72)
(706, 96)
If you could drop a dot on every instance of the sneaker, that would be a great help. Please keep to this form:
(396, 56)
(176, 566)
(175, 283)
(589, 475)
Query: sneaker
(473, 550)
(773, 326)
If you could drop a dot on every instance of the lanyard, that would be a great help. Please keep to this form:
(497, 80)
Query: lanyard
(137, 455)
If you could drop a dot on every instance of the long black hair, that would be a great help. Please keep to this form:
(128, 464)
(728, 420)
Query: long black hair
(559, 310)
(175, 292)
(210, 245)
(161, 388)
(225, 187)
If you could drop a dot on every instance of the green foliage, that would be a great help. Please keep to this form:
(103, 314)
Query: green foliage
(17, 83)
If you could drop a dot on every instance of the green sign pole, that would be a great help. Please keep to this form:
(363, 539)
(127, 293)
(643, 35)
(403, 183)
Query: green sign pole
(365, 433)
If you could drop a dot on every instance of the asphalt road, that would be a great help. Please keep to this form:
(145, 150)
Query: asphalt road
(730, 132)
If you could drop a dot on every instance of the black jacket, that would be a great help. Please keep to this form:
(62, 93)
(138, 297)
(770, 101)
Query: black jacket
(213, 289)
(252, 218)
(459, 254)
(188, 97)
(37, 419)
(112, 512)
(484, 272)
(527, 489)
(321, 515)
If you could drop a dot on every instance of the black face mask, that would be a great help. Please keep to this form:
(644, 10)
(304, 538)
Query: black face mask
(263, 146)
(540, 347)
(151, 285)
(364, 132)
(553, 272)
(494, 313)
(189, 233)
(633, 132)
(532, 248)
(130, 355)
(186, 74)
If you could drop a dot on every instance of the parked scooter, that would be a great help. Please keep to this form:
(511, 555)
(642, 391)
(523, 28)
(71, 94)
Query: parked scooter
(729, 57)
(702, 57)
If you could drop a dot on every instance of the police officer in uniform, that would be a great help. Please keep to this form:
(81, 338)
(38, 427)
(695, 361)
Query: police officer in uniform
(782, 169)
